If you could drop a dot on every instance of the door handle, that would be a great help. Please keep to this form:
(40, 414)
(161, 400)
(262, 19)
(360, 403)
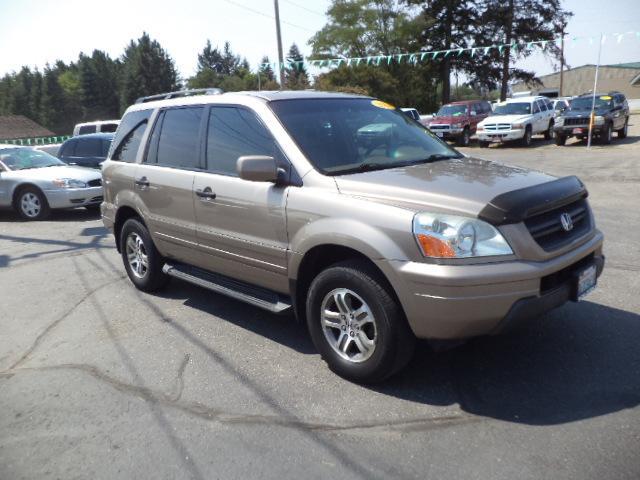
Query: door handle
(142, 182)
(206, 194)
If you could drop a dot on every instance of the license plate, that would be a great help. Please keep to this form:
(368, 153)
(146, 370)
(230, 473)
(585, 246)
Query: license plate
(440, 134)
(577, 130)
(586, 281)
(496, 138)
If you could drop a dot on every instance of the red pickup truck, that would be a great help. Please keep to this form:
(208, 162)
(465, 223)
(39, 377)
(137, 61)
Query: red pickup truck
(458, 120)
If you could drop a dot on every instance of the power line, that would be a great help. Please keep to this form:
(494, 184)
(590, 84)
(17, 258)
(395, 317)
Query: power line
(258, 12)
(305, 8)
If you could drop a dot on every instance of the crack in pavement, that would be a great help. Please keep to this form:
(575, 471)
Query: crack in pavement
(217, 415)
(57, 322)
(179, 387)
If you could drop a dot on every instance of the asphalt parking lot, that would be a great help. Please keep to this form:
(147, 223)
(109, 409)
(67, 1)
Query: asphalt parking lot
(98, 380)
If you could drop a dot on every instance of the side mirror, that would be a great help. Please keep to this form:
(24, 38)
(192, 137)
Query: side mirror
(259, 168)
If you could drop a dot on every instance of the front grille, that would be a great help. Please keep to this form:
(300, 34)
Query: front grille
(95, 183)
(497, 126)
(439, 127)
(97, 199)
(547, 230)
(576, 121)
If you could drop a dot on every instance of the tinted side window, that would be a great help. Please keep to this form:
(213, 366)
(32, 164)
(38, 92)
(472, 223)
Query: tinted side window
(108, 127)
(178, 144)
(234, 132)
(129, 135)
(536, 107)
(105, 148)
(87, 129)
(88, 147)
(68, 149)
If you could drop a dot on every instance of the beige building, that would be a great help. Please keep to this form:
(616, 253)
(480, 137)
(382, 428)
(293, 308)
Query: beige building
(623, 77)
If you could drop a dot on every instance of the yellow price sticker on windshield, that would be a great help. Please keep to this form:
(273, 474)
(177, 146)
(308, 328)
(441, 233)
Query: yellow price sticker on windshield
(605, 97)
(381, 104)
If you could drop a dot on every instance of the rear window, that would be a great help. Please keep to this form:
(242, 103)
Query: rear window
(129, 135)
(87, 129)
(88, 147)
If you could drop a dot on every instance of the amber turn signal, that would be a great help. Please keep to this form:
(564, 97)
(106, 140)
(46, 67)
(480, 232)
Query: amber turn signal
(433, 247)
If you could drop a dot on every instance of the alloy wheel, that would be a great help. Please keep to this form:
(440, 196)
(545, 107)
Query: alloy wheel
(348, 325)
(137, 255)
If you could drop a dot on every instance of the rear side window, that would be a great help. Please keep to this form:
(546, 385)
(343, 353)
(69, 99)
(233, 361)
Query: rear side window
(235, 132)
(129, 135)
(108, 127)
(68, 149)
(175, 139)
(87, 129)
(106, 144)
(88, 147)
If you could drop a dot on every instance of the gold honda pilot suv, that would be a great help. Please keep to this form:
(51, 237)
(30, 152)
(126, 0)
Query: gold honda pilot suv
(346, 211)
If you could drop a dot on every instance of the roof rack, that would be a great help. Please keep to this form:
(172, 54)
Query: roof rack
(180, 93)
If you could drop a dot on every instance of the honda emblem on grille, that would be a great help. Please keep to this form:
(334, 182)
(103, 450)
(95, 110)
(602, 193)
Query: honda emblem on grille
(567, 222)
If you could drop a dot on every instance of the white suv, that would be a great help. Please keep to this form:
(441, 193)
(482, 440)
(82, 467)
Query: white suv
(517, 119)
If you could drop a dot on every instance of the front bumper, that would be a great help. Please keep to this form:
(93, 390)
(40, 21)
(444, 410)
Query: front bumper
(74, 197)
(500, 135)
(448, 133)
(583, 130)
(462, 301)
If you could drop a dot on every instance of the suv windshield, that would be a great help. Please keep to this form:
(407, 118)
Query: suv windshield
(584, 103)
(341, 136)
(513, 109)
(25, 158)
(452, 111)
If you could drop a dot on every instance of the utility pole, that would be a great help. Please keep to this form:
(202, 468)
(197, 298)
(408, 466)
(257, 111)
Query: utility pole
(593, 99)
(280, 57)
(561, 61)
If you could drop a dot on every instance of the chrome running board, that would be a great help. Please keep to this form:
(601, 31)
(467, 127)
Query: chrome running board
(251, 294)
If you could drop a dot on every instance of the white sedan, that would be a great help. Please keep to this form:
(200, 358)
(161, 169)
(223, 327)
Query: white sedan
(33, 182)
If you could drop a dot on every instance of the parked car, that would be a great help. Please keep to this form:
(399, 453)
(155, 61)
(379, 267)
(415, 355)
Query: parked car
(560, 105)
(342, 209)
(518, 119)
(611, 114)
(458, 120)
(51, 149)
(411, 113)
(33, 183)
(86, 150)
(100, 126)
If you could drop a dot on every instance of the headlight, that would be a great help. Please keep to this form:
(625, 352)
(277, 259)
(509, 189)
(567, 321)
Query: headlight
(518, 126)
(457, 125)
(559, 121)
(450, 236)
(69, 183)
(480, 127)
(598, 120)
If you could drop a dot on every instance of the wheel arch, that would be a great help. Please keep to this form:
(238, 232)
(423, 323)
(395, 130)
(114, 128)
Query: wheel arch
(21, 186)
(123, 214)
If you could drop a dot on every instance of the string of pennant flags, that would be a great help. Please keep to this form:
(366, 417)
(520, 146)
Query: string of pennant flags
(426, 55)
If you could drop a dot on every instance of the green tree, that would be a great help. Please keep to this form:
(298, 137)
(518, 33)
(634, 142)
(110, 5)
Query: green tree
(509, 21)
(98, 77)
(295, 74)
(147, 69)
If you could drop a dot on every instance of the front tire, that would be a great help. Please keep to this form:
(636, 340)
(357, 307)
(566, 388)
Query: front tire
(526, 139)
(483, 144)
(607, 136)
(31, 204)
(142, 261)
(356, 324)
(465, 138)
(561, 140)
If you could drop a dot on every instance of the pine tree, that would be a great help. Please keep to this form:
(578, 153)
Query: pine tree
(147, 69)
(266, 72)
(295, 75)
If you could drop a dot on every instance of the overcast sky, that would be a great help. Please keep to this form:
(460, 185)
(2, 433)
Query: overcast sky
(34, 32)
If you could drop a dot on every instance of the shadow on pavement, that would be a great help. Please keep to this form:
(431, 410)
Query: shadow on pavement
(72, 215)
(578, 362)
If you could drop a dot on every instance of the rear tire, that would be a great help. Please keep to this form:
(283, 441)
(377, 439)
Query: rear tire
(622, 133)
(142, 261)
(356, 323)
(95, 209)
(549, 133)
(31, 204)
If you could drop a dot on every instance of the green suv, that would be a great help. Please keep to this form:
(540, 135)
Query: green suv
(610, 114)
